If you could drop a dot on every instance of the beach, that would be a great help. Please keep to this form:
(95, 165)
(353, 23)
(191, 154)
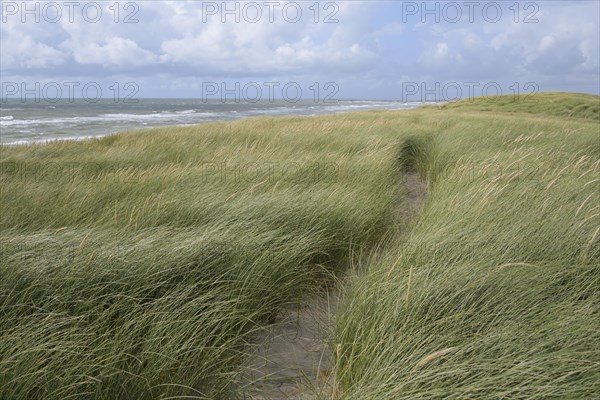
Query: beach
(30, 121)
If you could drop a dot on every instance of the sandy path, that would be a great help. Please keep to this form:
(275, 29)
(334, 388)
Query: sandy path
(293, 359)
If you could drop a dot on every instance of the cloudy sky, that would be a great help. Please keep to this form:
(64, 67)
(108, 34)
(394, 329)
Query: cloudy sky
(367, 49)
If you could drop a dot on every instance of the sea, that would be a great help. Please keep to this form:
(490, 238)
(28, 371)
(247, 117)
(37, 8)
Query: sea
(23, 122)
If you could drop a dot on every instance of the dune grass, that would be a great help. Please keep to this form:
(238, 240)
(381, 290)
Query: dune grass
(571, 106)
(142, 265)
(494, 292)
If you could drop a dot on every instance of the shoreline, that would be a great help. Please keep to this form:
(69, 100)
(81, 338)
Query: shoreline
(21, 142)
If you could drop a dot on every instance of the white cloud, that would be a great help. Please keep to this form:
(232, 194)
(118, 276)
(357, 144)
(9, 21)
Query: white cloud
(20, 50)
(547, 43)
(368, 44)
(266, 47)
(563, 43)
(115, 51)
(441, 50)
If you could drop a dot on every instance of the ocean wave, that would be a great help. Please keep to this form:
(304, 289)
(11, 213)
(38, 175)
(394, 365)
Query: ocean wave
(161, 115)
(100, 121)
(53, 139)
(5, 121)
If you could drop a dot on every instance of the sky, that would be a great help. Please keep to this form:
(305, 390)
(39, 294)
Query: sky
(249, 50)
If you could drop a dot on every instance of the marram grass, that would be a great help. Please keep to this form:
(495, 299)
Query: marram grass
(142, 265)
(494, 292)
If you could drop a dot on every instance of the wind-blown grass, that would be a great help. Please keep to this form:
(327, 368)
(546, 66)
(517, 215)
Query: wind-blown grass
(494, 293)
(142, 265)
(571, 106)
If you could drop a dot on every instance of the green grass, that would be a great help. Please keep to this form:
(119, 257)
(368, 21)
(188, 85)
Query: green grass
(142, 265)
(494, 292)
(571, 106)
